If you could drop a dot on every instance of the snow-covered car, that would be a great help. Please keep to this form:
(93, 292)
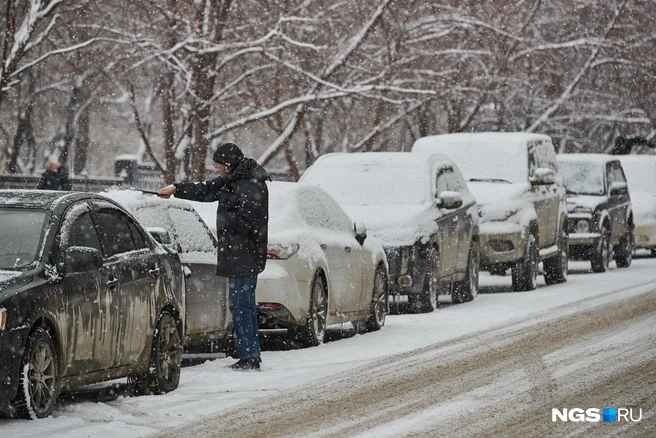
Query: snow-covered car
(640, 173)
(421, 211)
(523, 209)
(599, 209)
(86, 295)
(208, 324)
(321, 268)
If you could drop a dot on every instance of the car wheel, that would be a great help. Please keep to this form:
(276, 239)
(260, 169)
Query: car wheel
(378, 306)
(467, 290)
(426, 301)
(555, 268)
(525, 270)
(653, 252)
(601, 256)
(314, 330)
(37, 383)
(624, 255)
(163, 373)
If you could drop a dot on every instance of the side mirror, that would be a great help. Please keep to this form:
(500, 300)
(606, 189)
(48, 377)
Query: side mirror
(360, 232)
(543, 177)
(449, 200)
(82, 259)
(618, 188)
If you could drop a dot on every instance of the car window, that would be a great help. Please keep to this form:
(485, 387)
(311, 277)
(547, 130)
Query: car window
(451, 181)
(83, 232)
(138, 237)
(20, 235)
(320, 210)
(541, 155)
(115, 231)
(190, 231)
(615, 173)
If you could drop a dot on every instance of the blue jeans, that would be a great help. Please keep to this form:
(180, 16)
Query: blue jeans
(241, 298)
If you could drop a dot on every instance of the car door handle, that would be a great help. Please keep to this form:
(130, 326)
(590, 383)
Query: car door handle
(154, 272)
(347, 249)
(112, 282)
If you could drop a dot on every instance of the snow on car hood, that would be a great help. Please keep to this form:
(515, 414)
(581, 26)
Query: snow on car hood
(500, 201)
(395, 225)
(585, 201)
(10, 280)
(644, 207)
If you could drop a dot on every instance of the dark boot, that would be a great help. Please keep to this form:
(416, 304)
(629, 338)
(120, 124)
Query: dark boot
(251, 363)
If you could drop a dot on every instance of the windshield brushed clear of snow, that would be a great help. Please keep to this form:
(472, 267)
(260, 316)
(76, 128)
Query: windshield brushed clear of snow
(582, 178)
(20, 235)
(640, 176)
(374, 183)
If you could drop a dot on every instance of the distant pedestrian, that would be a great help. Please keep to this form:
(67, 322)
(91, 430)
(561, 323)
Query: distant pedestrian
(242, 218)
(55, 177)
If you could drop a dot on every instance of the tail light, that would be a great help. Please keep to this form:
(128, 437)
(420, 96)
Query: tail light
(276, 251)
(3, 318)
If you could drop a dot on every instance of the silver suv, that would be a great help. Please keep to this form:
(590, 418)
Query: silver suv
(521, 198)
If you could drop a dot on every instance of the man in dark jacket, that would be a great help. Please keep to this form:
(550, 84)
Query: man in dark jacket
(55, 177)
(241, 230)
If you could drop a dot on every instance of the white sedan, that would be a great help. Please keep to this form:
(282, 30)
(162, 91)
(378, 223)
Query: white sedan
(640, 173)
(322, 268)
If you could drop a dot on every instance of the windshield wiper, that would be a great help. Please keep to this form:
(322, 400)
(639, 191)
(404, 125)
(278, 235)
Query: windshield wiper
(499, 180)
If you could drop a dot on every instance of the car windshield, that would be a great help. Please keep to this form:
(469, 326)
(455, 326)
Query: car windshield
(383, 183)
(640, 176)
(583, 178)
(20, 235)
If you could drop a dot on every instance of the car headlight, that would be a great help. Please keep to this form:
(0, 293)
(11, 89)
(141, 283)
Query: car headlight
(582, 226)
(3, 318)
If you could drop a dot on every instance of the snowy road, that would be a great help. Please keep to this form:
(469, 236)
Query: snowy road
(493, 367)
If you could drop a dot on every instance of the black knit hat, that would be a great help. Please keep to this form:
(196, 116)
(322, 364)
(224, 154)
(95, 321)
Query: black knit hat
(229, 155)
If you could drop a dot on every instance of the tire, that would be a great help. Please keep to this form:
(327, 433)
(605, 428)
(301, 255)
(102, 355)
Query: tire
(164, 364)
(38, 384)
(426, 301)
(653, 252)
(601, 256)
(313, 332)
(525, 270)
(555, 268)
(624, 255)
(378, 305)
(467, 290)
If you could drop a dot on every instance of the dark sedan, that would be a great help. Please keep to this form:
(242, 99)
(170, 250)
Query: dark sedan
(86, 295)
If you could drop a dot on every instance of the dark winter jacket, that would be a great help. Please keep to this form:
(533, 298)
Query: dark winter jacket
(242, 217)
(55, 180)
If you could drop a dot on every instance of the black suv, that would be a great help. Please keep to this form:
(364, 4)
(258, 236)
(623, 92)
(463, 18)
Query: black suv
(599, 209)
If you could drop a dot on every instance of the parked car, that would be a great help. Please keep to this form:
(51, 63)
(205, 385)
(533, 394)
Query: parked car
(421, 211)
(599, 210)
(321, 268)
(523, 207)
(86, 295)
(208, 323)
(640, 173)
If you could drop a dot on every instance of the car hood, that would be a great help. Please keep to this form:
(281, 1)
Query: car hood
(644, 207)
(397, 225)
(497, 201)
(585, 201)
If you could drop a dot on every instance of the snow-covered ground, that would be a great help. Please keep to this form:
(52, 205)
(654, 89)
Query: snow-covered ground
(211, 389)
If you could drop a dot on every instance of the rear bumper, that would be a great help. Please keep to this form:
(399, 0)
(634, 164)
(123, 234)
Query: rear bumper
(292, 296)
(12, 343)
(583, 239)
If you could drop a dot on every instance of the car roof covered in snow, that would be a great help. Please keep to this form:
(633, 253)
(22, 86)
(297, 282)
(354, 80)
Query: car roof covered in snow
(512, 139)
(378, 159)
(637, 158)
(587, 158)
(41, 199)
